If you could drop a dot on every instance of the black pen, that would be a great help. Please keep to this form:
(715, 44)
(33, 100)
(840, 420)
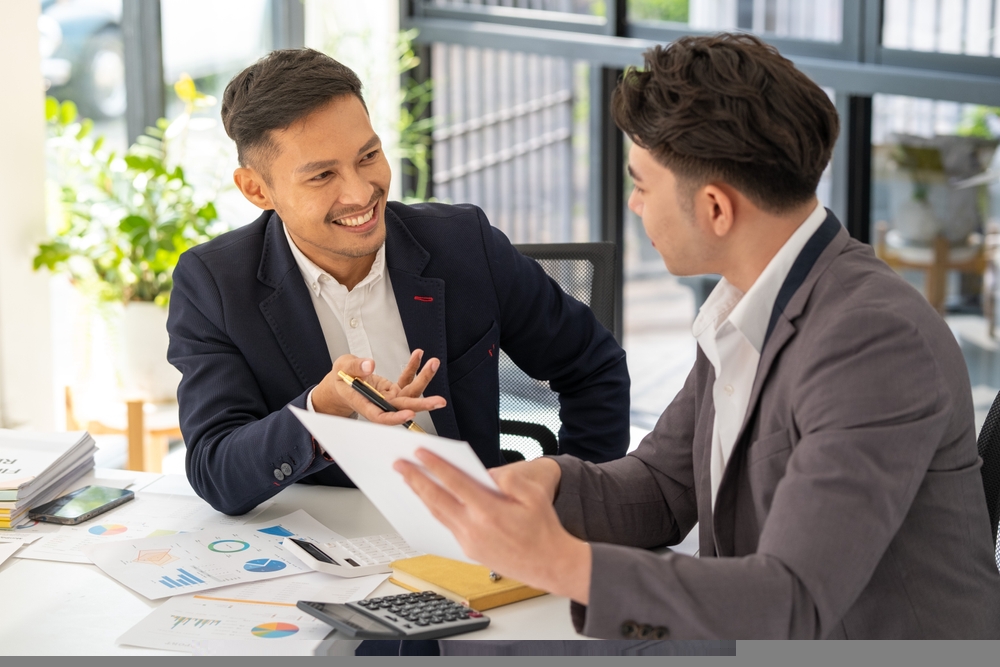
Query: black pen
(378, 399)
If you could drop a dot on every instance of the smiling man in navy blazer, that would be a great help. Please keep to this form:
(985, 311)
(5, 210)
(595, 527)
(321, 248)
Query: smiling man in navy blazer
(334, 277)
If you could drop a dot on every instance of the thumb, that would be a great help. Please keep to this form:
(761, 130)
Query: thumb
(356, 366)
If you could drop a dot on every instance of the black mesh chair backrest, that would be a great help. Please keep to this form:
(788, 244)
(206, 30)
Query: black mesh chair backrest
(529, 409)
(989, 452)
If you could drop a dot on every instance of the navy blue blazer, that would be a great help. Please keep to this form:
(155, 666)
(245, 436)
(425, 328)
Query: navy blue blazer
(245, 335)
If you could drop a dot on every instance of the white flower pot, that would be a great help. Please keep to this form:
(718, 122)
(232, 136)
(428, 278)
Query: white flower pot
(146, 373)
(916, 221)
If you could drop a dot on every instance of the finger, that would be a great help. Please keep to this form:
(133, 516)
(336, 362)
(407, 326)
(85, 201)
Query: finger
(463, 487)
(423, 378)
(354, 366)
(410, 370)
(418, 404)
(445, 507)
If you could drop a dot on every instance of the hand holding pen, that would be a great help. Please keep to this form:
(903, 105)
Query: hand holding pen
(335, 396)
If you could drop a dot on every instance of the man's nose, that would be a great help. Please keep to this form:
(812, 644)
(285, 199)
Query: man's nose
(357, 191)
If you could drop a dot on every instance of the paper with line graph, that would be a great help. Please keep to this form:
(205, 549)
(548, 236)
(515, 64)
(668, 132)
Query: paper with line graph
(180, 622)
(212, 557)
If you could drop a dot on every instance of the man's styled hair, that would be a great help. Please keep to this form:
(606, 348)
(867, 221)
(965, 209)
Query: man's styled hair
(730, 107)
(277, 90)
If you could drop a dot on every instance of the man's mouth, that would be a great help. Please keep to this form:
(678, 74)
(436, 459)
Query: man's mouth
(356, 221)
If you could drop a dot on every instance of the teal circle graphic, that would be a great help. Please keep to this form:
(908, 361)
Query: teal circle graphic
(228, 546)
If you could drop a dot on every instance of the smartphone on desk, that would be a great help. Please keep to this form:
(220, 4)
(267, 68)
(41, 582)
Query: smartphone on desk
(81, 505)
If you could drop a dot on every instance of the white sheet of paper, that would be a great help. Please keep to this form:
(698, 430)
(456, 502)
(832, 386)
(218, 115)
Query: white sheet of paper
(313, 586)
(148, 515)
(209, 558)
(7, 550)
(366, 452)
(180, 622)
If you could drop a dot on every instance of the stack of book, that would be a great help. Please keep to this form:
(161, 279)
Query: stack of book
(38, 467)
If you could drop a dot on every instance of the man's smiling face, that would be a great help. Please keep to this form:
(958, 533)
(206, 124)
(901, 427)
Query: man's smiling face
(328, 181)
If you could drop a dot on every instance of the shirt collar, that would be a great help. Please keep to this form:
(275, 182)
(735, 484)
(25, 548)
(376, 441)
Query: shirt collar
(750, 313)
(312, 273)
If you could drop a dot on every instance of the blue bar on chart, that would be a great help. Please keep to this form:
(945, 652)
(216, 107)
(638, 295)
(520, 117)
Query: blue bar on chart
(183, 578)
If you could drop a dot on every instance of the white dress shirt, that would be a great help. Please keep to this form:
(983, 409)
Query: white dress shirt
(363, 321)
(730, 329)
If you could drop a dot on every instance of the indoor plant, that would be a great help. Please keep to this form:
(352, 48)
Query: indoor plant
(122, 223)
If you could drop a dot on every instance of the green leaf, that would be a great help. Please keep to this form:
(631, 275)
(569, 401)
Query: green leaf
(67, 112)
(51, 109)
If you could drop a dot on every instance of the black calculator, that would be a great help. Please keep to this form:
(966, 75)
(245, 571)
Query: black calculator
(423, 615)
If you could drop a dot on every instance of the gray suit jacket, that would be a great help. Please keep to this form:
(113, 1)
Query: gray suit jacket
(852, 505)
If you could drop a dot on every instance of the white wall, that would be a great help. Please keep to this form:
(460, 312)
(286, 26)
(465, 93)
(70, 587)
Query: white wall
(27, 396)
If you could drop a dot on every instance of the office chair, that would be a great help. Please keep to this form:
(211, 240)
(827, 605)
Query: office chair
(529, 409)
(989, 452)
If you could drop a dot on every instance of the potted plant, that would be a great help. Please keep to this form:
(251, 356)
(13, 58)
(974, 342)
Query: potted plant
(123, 221)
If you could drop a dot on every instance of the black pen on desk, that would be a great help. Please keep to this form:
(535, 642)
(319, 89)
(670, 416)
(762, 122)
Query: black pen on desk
(378, 399)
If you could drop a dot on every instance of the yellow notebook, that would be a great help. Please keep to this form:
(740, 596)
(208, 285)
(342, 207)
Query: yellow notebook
(461, 582)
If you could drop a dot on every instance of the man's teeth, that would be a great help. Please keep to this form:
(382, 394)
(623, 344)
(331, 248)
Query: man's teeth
(354, 222)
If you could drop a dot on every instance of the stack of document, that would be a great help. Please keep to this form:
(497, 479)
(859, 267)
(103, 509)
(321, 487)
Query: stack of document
(38, 467)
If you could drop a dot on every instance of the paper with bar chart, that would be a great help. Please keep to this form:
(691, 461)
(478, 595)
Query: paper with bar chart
(158, 567)
(180, 622)
(209, 558)
(149, 515)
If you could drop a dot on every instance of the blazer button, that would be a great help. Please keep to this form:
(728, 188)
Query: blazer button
(287, 469)
(660, 632)
(645, 632)
(630, 630)
(278, 475)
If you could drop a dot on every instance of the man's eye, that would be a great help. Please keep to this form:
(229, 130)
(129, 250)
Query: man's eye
(322, 176)
(370, 156)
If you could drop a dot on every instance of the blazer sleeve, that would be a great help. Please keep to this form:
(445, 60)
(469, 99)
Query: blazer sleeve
(646, 499)
(872, 407)
(235, 443)
(552, 336)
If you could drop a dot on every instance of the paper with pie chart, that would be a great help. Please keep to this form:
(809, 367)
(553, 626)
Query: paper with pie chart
(149, 515)
(159, 567)
(180, 622)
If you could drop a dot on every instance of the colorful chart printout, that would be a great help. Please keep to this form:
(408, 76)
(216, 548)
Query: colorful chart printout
(274, 630)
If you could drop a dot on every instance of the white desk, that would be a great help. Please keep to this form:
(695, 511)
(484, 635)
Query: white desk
(74, 609)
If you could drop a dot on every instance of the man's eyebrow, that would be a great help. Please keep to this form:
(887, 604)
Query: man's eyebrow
(327, 164)
(631, 172)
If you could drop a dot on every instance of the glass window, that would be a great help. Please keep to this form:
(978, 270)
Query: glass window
(819, 20)
(593, 7)
(210, 42)
(957, 26)
(511, 135)
(83, 61)
(936, 213)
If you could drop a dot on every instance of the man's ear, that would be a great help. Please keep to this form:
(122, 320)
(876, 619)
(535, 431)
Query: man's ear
(253, 186)
(717, 209)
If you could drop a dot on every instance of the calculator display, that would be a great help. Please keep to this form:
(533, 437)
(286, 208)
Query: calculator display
(360, 622)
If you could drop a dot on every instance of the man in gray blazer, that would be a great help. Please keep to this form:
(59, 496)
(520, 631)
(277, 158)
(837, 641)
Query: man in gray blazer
(823, 442)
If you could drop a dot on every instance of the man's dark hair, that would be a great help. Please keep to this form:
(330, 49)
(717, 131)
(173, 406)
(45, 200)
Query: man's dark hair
(276, 91)
(730, 107)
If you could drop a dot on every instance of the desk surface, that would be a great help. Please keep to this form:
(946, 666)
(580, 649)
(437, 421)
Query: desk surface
(75, 609)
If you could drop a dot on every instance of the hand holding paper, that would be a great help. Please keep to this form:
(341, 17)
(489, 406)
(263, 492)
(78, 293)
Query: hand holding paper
(512, 529)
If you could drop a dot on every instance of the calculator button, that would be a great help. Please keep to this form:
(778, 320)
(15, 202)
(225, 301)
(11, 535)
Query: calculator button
(421, 622)
(475, 614)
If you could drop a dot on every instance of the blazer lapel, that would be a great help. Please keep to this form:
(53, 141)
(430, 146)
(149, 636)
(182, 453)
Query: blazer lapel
(289, 309)
(421, 303)
(825, 244)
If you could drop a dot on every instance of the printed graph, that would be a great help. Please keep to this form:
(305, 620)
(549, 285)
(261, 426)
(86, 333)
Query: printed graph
(280, 531)
(264, 565)
(108, 529)
(275, 630)
(196, 622)
(228, 546)
(181, 579)
(159, 557)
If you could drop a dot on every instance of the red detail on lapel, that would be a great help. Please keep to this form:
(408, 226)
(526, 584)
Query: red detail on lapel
(425, 299)
(490, 351)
